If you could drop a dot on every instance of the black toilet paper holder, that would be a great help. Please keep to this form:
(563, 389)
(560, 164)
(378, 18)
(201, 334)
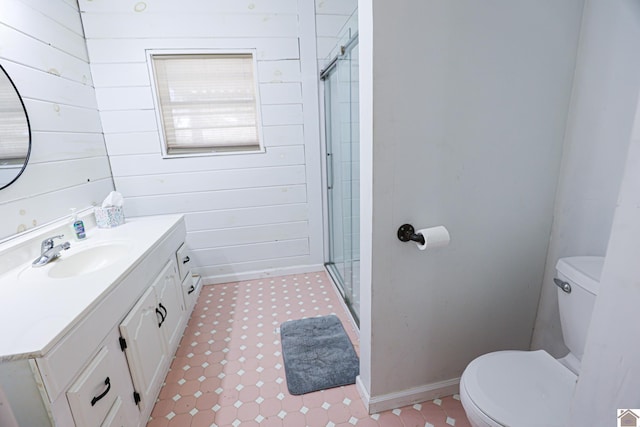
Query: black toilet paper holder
(406, 233)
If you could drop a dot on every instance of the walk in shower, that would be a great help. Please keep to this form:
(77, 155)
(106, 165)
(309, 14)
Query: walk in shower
(341, 107)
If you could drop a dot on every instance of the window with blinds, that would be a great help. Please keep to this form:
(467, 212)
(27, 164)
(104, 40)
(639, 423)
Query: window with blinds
(207, 103)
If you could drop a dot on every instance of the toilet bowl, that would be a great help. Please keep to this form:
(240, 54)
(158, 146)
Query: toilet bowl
(531, 388)
(517, 388)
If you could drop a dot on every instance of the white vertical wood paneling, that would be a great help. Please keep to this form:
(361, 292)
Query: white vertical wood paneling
(116, 50)
(23, 49)
(228, 218)
(59, 12)
(132, 25)
(39, 26)
(247, 235)
(132, 143)
(219, 257)
(196, 6)
(52, 117)
(213, 180)
(42, 48)
(118, 75)
(283, 135)
(208, 201)
(279, 71)
(281, 93)
(37, 85)
(148, 164)
(311, 116)
(41, 178)
(279, 115)
(38, 209)
(246, 212)
(50, 147)
(130, 98)
(336, 21)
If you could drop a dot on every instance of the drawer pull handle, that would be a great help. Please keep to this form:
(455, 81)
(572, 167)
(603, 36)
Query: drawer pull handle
(161, 321)
(95, 400)
(186, 260)
(164, 309)
(191, 289)
(164, 316)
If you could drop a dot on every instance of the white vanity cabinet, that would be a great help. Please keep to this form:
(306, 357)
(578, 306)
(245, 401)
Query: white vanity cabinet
(105, 364)
(103, 388)
(151, 333)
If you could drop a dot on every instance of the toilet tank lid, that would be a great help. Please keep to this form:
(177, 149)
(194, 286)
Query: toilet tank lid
(584, 271)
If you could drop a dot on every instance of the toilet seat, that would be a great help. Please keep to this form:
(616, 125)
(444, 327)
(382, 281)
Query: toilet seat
(519, 388)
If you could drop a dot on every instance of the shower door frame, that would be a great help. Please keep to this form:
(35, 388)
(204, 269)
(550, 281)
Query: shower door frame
(332, 269)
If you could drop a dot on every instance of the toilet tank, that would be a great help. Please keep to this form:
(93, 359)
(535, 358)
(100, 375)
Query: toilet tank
(583, 276)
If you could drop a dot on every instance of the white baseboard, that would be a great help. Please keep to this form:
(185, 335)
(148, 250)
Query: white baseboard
(261, 274)
(362, 390)
(411, 396)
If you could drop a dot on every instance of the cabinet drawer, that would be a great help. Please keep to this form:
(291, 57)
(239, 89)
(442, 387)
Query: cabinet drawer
(191, 286)
(184, 261)
(91, 397)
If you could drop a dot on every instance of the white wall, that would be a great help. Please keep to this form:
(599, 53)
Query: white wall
(246, 214)
(596, 143)
(469, 103)
(611, 362)
(43, 50)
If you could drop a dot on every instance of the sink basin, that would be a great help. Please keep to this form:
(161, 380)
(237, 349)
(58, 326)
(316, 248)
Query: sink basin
(80, 262)
(87, 261)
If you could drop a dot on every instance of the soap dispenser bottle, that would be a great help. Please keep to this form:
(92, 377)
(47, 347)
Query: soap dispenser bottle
(77, 226)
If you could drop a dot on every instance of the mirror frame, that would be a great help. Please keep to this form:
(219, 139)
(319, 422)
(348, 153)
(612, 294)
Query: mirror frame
(26, 159)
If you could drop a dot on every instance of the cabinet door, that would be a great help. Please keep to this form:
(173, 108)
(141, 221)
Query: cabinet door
(116, 416)
(171, 304)
(103, 382)
(146, 353)
(91, 396)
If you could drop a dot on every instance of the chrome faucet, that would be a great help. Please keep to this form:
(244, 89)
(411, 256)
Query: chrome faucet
(49, 252)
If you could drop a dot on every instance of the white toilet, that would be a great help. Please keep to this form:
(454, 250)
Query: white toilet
(531, 388)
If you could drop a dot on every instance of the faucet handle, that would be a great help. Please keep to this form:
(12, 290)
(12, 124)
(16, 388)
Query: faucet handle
(48, 242)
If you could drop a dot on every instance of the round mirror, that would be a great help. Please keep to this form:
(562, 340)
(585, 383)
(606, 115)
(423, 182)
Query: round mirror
(15, 133)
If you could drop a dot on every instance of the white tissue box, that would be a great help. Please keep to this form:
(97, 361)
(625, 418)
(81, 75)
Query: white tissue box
(109, 217)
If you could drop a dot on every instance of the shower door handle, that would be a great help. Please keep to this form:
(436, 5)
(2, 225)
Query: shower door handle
(329, 171)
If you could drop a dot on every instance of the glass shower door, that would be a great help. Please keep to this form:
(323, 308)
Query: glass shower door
(343, 169)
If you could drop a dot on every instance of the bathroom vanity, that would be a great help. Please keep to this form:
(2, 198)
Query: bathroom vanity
(87, 339)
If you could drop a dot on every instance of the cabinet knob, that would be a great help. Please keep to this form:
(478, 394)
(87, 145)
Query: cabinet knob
(186, 260)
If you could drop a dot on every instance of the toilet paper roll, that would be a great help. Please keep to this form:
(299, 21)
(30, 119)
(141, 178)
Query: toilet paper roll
(434, 237)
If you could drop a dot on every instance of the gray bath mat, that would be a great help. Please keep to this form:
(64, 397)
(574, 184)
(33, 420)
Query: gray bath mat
(317, 354)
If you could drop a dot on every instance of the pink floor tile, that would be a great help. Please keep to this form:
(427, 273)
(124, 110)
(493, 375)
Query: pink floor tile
(228, 370)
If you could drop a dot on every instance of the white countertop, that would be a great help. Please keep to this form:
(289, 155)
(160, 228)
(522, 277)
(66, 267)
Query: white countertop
(36, 311)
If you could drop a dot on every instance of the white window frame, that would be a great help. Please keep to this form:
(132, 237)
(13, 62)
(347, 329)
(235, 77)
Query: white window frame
(158, 111)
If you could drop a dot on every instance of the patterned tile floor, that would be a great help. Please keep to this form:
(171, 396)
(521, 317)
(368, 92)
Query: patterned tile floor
(228, 370)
